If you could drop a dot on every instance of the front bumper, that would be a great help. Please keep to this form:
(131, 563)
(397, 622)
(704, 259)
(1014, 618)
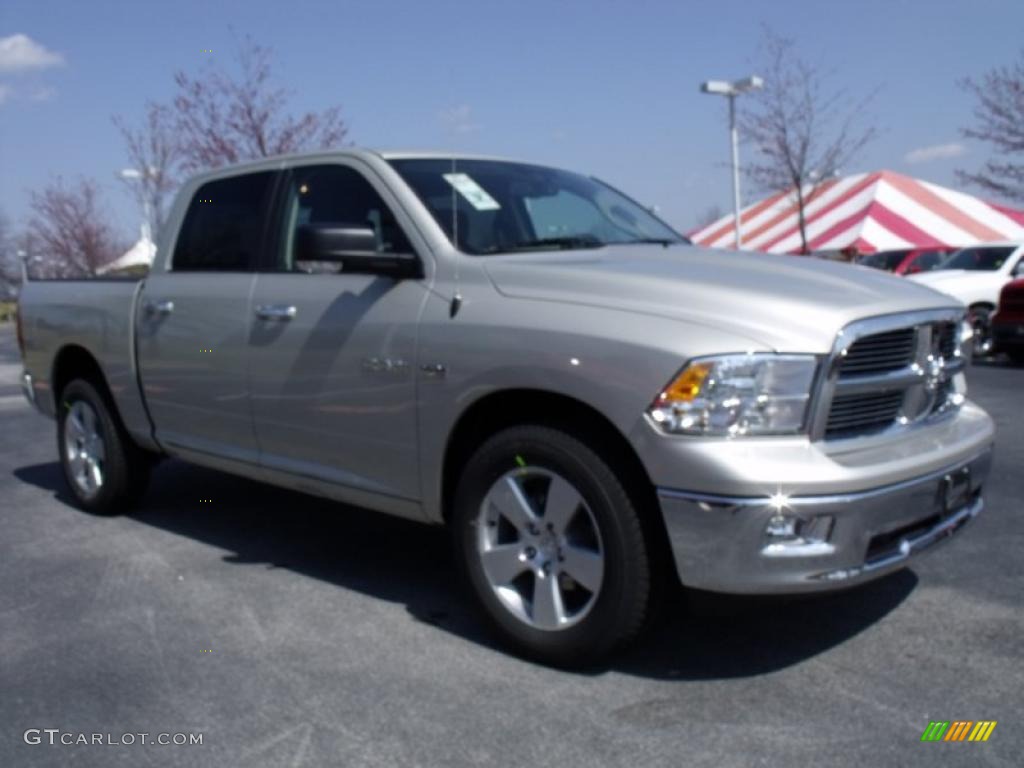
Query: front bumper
(28, 390)
(1008, 336)
(817, 542)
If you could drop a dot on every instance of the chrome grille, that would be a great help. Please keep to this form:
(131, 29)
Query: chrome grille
(862, 414)
(947, 339)
(879, 353)
(888, 373)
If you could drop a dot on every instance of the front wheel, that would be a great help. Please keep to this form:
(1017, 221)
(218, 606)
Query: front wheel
(105, 470)
(552, 546)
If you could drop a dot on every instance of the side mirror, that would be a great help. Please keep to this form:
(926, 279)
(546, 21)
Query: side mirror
(355, 248)
(1018, 271)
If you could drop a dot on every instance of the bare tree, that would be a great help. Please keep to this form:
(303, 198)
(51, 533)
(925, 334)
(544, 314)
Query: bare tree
(69, 232)
(999, 116)
(153, 151)
(710, 215)
(10, 265)
(220, 118)
(216, 118)
(802, 132)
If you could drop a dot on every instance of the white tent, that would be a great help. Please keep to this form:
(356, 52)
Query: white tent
(139, 255)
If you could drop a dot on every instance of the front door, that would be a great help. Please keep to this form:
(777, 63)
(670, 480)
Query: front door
(332, 356)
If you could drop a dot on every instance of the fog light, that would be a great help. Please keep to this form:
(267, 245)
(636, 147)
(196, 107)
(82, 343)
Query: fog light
(782, 527)
(792, 536)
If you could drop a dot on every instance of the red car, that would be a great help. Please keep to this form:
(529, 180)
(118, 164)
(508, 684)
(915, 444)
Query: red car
(906, 262)
(1008, 321)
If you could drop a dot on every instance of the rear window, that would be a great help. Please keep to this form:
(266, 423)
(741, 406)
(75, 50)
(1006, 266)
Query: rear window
(224, 227)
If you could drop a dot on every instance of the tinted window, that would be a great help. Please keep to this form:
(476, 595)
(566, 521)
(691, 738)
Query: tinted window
(929, 260)
(335, 194)
(887, 260)
(979, 259)
(223, 229)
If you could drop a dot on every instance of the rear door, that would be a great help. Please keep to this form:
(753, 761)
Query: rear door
(194, 320)
(333, 355)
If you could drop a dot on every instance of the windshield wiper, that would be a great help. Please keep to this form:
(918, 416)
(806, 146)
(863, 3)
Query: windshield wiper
(665, 241)
(566, 243)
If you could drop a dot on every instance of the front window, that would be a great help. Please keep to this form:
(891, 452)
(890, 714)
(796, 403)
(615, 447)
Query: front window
(488, 206)
(340, 196)
(979, 259)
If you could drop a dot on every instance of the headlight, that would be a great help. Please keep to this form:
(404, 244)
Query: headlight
(755, 394)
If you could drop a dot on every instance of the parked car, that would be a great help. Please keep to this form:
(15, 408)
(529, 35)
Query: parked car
(1008, 321)
(906, 261)
(533, 359)
(975, 276)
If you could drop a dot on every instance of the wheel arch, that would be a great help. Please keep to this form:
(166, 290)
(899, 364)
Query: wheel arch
(74, 361)
(506, 408)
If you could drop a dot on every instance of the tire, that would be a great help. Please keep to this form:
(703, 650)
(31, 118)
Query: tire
(105, 471)
(1016, 356)
(980, 318)
(544, 591)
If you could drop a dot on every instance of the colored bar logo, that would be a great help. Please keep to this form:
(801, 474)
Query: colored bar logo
(958, 730)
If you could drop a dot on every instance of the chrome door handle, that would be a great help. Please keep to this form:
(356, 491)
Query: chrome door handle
(164, 307)
(276, 311)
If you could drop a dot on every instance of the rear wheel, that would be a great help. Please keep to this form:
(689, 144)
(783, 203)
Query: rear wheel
(552, 546)
(105, 471)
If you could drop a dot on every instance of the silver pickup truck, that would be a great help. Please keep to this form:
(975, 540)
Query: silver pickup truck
(530, 357)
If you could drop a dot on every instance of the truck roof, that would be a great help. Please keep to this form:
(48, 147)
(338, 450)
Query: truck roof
(284, 161)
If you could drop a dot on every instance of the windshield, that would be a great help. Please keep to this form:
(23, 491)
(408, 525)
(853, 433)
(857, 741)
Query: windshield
(490, 206)
(979, 259)
(888, 260)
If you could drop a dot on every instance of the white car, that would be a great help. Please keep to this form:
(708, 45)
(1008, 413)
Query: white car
(975, 276)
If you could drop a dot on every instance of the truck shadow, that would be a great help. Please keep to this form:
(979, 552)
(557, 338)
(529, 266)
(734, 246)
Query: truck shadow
(700, 636)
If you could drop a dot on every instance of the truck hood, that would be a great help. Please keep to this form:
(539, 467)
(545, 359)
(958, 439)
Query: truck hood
(787, 303)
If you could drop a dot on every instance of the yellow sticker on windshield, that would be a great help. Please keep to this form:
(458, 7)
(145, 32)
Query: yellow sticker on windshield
(472, 191)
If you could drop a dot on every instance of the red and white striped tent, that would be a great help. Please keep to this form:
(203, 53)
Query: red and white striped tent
(871, 211)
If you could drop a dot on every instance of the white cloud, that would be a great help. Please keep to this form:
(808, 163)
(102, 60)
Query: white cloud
(5, 93)
(935, 152)
(458, 119)
(21, 52)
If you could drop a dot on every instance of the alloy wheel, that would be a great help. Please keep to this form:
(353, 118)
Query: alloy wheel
(540, 548)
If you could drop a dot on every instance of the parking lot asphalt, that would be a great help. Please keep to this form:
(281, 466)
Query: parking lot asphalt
(290, 631)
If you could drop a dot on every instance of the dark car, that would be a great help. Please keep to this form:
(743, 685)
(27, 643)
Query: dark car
(1008, 321)
(906, 261)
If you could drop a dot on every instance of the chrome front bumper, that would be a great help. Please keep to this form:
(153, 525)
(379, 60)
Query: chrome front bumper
(812, 543)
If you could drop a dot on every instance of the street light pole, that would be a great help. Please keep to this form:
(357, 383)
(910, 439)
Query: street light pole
(731, 90)
(734, 135)
(140, 176)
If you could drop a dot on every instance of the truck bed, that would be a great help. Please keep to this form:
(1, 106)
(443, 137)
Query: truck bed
(95, 314)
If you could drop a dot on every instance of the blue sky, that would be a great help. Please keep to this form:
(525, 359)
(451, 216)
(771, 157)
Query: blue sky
(609, 88)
